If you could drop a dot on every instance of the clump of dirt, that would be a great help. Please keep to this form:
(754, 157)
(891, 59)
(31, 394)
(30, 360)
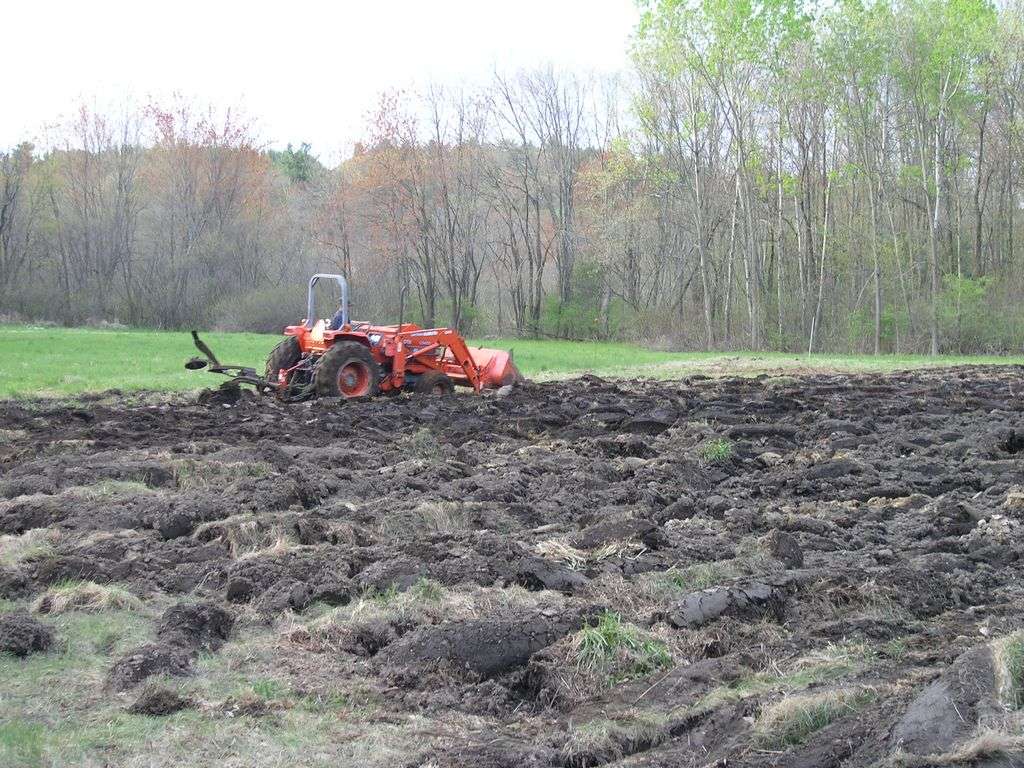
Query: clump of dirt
(486, 647)
(159, 700)
(674, 565)
(195, 626)
(20, 634)
(146, 661)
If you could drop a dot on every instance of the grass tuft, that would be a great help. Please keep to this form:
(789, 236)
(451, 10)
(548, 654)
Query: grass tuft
(422, 444)
(699, 575)
(714, 452)
(34, 544)
(190, 474)
(618, 651)
(793, 719)
(269, 690)
(442, 516)
(427, 590)
(85, 596)
(1009, 658)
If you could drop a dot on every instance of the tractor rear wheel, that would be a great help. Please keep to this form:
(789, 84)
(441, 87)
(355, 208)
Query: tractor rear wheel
(347, 370)
(285, 355)
(434, 383)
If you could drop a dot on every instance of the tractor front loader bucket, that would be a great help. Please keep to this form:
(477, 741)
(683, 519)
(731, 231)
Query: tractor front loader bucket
(495, 366)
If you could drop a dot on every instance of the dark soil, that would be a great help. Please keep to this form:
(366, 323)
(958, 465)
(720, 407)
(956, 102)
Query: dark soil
(21, 635)
(146, 661)
(158, 701)
(195, 626)
(873, 516)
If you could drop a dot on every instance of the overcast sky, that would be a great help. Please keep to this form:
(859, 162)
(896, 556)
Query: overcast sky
(306, 71)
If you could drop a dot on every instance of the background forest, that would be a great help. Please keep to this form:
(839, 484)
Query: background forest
(843, 176)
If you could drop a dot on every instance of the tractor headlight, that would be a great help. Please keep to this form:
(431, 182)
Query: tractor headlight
(374, 339)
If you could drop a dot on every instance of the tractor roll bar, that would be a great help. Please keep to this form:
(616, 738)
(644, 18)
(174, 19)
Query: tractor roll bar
(343, 299)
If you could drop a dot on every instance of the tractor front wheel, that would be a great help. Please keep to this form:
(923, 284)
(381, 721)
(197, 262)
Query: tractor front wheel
(434, 383)
(347, 370)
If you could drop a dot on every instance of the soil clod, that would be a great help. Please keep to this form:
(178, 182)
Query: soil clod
(20, 634)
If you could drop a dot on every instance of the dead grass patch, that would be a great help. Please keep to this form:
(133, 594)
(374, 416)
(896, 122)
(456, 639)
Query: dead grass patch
(560, 550)
(190, 474)
(829, 663)
(247, 536)
(791, 720)
(8, 436)
(107, 489)
(601, 741)
(375, 619)
(33, 544)
(986, 743)
(85, 596)
(429, 517)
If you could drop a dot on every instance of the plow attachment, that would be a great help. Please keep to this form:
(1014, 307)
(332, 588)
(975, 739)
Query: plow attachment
(237, 374)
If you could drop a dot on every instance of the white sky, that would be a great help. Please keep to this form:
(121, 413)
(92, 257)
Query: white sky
(305, 71)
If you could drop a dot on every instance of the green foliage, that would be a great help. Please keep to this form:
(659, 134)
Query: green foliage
(269, 690)
(699, 576)
(427, 590)
(299, 165)
(717, 451)
(861, 328)
(423, 444)
(580, 318)
(619, 651)
(967, 320)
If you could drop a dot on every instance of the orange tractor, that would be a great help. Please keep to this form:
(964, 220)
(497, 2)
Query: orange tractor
(338, 357)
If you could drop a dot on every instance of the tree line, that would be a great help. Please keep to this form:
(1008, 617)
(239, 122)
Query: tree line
(768, 175)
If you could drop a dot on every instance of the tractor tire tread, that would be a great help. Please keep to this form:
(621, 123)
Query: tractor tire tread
(325, 375)
(427, 382)
(286, 354)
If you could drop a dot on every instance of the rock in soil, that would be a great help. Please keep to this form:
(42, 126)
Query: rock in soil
(752, 600)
